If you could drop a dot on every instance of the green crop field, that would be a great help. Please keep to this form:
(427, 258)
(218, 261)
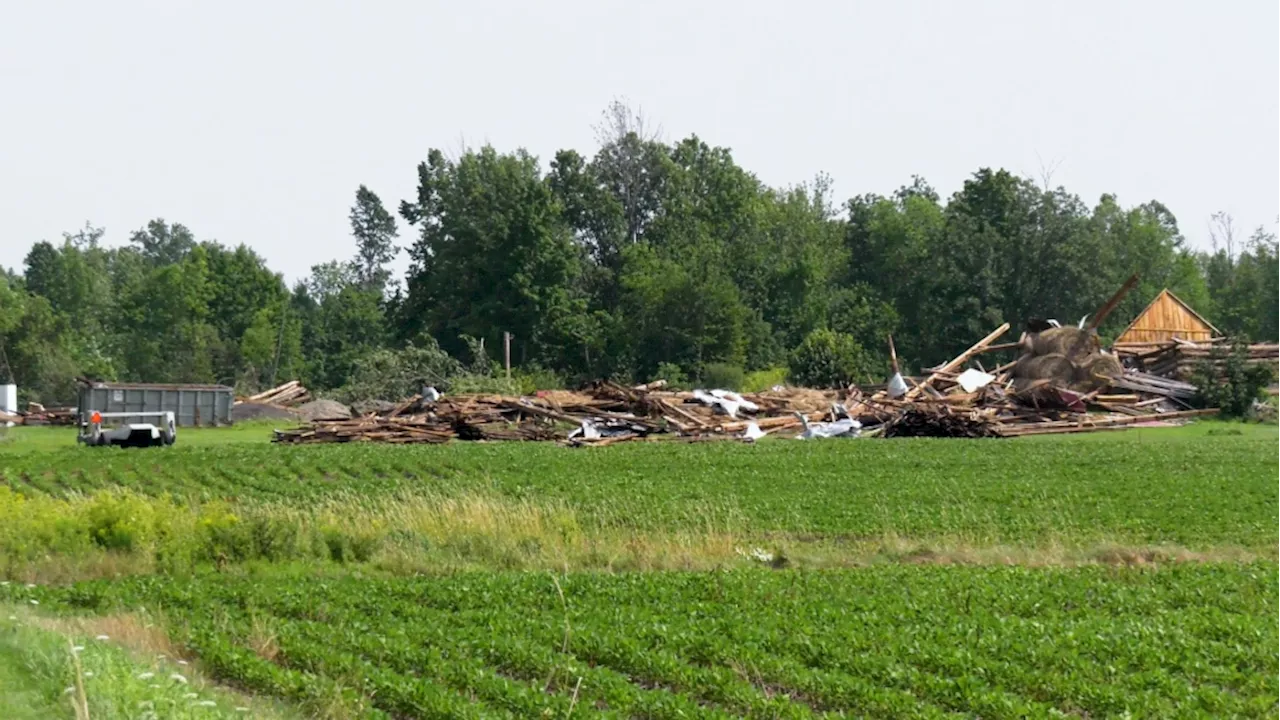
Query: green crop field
(893, 641)
(1118, 574)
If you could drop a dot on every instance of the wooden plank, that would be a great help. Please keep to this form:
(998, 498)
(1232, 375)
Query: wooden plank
(959, 360)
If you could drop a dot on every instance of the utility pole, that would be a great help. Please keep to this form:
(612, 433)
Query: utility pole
(506, 351)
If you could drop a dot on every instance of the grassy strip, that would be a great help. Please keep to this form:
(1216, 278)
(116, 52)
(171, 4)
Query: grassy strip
(112, 533)
(66, 669)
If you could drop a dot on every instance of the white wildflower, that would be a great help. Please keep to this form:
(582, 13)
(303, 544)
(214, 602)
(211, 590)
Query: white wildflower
(77, 648)
(68, 691)
(13, 617)
(182, 662)
(102, 637)
(146, 676)
(154, 686)
(4, 583)
(178, 678)
(190, 696)
(35, 602)
(88, 673)
(207, 703)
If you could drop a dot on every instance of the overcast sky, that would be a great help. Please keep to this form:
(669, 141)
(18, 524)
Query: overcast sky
(255, 122)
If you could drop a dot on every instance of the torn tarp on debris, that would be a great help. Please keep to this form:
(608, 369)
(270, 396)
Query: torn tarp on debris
(845, 427)
(725, 402)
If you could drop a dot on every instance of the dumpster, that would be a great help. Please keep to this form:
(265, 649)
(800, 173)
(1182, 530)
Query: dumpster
(191, 405)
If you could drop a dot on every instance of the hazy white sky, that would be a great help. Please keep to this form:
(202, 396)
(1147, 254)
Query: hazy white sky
(254, 122)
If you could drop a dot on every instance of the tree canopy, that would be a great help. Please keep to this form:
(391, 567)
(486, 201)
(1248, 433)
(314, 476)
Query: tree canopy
(644, 259)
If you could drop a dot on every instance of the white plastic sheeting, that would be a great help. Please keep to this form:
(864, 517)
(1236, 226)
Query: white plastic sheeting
(844, 427)
(725, 402)
(897, 386)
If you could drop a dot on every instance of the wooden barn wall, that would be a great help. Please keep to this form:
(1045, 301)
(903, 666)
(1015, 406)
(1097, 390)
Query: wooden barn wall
(1165, 319)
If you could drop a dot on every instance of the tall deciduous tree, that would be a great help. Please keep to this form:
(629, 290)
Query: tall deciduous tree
(493, 254)
(375, 232)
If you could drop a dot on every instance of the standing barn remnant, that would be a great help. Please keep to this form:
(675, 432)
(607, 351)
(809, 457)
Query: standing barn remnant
(1164, 319)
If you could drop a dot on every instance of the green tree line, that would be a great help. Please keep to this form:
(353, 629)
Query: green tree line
(647, 259)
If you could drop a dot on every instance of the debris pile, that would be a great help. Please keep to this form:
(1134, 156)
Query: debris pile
(37, 414)
(949, 402)
(1179, 359)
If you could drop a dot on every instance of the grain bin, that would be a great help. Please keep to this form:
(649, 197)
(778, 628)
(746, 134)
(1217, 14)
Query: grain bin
(191, 405)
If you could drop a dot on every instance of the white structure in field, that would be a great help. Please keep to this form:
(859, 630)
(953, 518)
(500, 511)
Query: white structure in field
(9, 401)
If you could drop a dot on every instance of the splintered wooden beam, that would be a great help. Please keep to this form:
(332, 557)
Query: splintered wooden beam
(959, 360)
(1101, 313)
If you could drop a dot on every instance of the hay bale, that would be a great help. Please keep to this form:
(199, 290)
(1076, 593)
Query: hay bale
(1054, 366)
(1070, 342)
(1097, 370)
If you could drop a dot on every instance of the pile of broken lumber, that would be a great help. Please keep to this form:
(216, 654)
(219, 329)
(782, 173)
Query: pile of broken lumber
(946, 403)
(602, 414)
(286, 395)
(1179, 359)
(38, 414)
(959, 401)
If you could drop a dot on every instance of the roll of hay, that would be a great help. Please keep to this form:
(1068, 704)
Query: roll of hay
(1070, 342)
(1097, 370)
(1054, 366)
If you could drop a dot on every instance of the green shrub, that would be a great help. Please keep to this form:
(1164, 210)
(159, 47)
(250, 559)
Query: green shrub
(762, 380)
(469, 383)
(675, 377)
(1228, 382)
(828, 359)
(226, 537)
(724, 376)
(120, 522)
(396, 374)
(536, 378)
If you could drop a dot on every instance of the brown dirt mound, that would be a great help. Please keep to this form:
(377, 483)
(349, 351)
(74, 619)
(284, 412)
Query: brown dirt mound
(261, 411)
(324, 410)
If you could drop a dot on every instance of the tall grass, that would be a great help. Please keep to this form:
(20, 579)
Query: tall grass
(118, 532)
(102, 668)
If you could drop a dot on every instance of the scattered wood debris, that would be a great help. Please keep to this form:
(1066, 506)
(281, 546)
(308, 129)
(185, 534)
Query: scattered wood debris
(949, 402)
(1179, 359)
(37, 414)
(289, 394)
